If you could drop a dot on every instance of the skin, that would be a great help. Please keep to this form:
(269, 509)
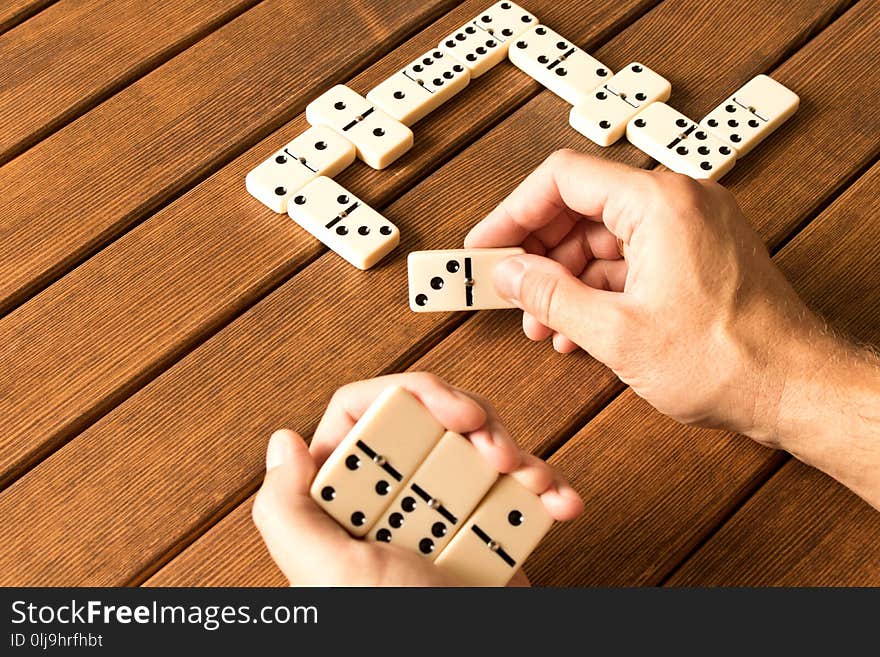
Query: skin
(312, 550)
(661, 278)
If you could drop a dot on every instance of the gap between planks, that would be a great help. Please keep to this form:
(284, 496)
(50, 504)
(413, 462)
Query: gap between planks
(89, 102)
(27, 9)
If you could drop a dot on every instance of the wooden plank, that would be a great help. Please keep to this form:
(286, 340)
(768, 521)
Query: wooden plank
(189, 255)
(803, 528)
(689, 478)
(14, 12)
(523, 367)
(74, 54)
(162, 133)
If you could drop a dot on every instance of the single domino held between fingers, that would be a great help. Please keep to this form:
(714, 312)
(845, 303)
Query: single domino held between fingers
(319, 151)
(455, 279)
(751, 113)
(420, 87)
(378, 138)
(482, 42)
(674, 140)
(558, 64)
(603, 115)
(343, 222)
(498, 537)
(375, 460)
(438, 498)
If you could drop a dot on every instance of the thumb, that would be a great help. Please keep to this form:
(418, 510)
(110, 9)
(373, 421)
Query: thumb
(549, 292)
(302, 539)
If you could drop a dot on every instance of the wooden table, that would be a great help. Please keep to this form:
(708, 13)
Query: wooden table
(158, 323)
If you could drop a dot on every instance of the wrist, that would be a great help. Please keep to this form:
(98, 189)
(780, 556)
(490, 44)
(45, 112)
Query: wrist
(783, 356)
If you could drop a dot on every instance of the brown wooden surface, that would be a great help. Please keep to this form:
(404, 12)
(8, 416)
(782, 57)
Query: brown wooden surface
(154, 470)
(13, 12)
(74, 54)
(175, 125)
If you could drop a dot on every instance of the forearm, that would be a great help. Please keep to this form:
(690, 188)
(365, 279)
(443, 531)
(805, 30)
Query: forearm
(828, 412)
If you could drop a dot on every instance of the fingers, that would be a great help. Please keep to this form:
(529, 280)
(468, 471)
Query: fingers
(606, 275)
(566, 184)
(555, 298)
(560, 499)
(585, 243)
(452, 408)
(534, 329)
(493, 441)
(296, 531)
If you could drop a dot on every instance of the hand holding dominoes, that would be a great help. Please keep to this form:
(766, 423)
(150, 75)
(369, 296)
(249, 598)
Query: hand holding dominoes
(413, 465)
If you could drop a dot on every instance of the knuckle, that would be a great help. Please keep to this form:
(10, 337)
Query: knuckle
(561, 156)
(260, 508)
(428, 379)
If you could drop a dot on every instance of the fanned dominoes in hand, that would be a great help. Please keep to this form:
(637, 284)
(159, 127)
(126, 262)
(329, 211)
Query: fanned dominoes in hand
(399, 477)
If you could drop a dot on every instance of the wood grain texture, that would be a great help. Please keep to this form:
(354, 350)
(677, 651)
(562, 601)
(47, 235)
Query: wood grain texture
(638, 532)
(13, 12)
(488, 353)
(190, 257)
(171, 127)
(74, 54)
(803, 528)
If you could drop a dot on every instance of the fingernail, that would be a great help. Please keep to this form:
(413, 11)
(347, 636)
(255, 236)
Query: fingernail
(507, 277)
(278, 451)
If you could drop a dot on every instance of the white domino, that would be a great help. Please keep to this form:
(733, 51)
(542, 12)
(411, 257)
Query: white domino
(457, 279)
(437, 499)
(558, 64)
(378, 138)
(374, 461)
(498, 537)
(748, 117)
(482, 42)
(421, 87)
(343, 222)
(317, 152)
(603, 115)
(674, 140)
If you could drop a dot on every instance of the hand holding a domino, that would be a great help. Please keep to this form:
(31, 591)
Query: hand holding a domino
(657, 275)
(387, 473)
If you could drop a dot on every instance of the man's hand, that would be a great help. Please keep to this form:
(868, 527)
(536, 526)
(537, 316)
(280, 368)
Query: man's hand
(307, 544)
(661, 278)
(653, 273)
